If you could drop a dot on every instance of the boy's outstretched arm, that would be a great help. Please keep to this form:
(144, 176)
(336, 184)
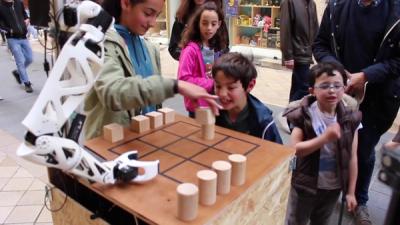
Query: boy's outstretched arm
(306, 147)
(353, 173)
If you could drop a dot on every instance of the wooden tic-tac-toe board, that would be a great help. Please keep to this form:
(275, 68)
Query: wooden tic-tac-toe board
(182, 152)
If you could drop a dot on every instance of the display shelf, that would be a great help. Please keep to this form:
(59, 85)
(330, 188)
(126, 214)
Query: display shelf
(260, 6)
(248, 28)
(161, 28)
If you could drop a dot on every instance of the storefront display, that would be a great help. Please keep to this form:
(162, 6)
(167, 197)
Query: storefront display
(257, 24)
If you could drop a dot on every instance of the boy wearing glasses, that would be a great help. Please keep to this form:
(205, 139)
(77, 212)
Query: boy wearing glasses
(325, 139)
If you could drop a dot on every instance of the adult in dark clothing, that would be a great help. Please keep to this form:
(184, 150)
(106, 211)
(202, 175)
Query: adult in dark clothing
(3, 38)
(13, 20)
(183, 14)
(364, 35)
(299, 26)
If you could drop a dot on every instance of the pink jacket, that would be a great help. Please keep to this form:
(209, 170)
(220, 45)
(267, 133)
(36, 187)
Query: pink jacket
(192, 69)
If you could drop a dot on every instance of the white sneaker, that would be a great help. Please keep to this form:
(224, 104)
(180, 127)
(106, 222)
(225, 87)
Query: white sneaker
(282, 121)
(1, 98)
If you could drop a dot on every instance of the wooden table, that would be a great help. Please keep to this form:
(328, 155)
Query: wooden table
(181, 151)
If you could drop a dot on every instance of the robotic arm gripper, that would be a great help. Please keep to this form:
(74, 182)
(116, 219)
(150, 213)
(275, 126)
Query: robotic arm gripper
(80, 60)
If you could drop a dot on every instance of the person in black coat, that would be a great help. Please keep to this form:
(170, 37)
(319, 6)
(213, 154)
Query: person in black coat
(364, 36)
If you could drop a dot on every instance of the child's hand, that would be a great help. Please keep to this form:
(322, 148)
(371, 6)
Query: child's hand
(351, 202)
(195, 92)
(391, 145)
(332, 132)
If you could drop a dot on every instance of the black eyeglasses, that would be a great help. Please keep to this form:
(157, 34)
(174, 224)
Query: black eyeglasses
(327, 86)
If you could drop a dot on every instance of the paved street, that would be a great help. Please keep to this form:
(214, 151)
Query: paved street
(22, 183)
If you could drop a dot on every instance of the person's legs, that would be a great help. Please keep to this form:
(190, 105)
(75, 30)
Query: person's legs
(300, 206)
(326, 201)
(298, 89)
(22, 53)
(16, 50)
(368, 137)
(3, 38)
(300, 79)
(27, 51)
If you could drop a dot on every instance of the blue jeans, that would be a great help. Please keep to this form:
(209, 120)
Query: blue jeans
(22, 52)
(300, 80)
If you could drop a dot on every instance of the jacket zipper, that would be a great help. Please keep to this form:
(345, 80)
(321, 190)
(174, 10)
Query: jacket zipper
(16, 19)
(309, 22)
(387, 33)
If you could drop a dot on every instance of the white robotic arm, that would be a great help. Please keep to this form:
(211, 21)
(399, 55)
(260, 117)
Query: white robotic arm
(80, 60)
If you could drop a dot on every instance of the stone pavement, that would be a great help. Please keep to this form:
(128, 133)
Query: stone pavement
(22, 184)
(272, 88)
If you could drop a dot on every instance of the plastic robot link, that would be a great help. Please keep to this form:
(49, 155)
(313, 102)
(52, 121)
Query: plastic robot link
(81, 59)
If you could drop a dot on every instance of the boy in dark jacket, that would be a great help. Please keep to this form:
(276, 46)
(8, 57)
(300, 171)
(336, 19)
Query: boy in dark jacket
(235, 76)
(325, 139)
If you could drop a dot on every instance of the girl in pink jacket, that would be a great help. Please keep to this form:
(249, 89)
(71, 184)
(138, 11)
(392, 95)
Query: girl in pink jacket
(201, 45)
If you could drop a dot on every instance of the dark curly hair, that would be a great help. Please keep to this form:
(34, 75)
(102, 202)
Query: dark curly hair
(237, 67)
(329, 68)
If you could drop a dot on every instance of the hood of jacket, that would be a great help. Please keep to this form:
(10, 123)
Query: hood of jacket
(263, 114)
(263, 122)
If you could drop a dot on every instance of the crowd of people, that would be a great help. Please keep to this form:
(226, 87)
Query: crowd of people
(338, 109)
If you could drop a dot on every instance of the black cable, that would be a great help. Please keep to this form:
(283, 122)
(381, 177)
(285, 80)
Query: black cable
(341, 209)
(46, 65)
(47, 198)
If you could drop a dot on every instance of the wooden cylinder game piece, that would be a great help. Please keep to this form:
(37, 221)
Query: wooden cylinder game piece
(223, 170)
(156, 119)
(238, 169)
(168, 115)
(140, 124)
(208, 131)
(188, 200)
(207, 186)
(204, 116)
(113, 132)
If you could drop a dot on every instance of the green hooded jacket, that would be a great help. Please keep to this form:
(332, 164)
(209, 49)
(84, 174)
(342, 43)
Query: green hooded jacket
(118, 89)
